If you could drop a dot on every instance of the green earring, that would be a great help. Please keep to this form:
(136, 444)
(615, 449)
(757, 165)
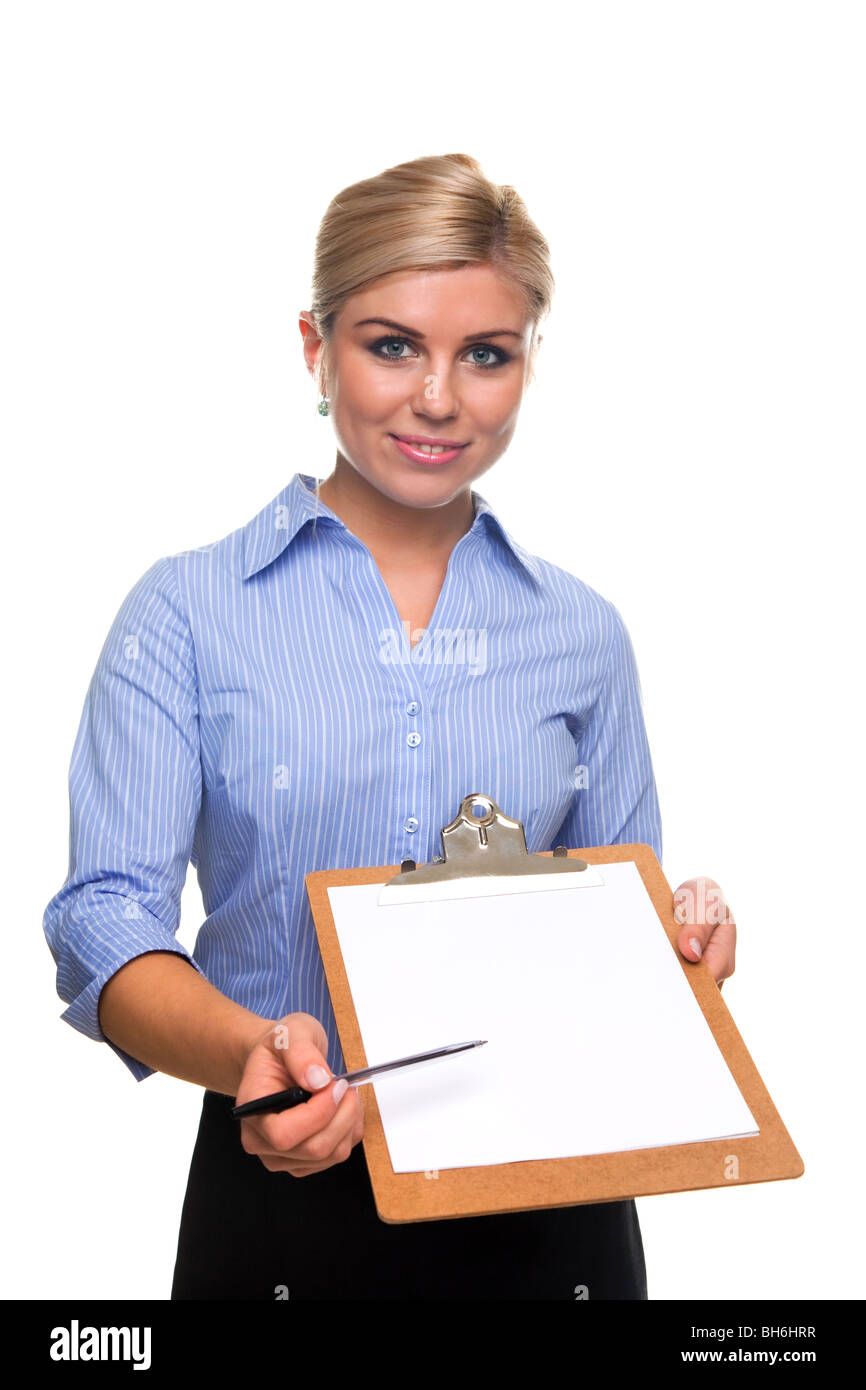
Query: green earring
(323, 406)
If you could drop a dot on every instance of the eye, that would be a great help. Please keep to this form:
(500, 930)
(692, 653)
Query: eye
(381, 348)
(501, 356)
(387, 343)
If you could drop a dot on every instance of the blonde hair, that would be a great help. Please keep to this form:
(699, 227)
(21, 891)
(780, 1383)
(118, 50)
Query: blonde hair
(435, 213)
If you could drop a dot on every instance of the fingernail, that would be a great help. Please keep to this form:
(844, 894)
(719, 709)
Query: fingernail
(315, 1078)
(340, 1090)
(695, 945)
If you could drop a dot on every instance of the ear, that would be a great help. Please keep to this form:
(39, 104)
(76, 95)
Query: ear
(313, 348)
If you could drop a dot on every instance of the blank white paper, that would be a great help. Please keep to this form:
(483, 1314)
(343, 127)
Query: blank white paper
(596, 1043)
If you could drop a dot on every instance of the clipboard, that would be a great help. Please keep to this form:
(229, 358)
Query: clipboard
(484, 851)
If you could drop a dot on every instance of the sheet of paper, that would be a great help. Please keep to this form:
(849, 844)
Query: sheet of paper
(595, 1043)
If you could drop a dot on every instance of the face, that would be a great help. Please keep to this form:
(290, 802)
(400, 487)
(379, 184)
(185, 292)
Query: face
(437, 355)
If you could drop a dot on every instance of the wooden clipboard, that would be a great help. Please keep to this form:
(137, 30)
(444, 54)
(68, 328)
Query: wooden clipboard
(401, 1197)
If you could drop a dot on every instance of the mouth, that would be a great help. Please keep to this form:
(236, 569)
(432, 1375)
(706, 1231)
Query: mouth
(422, 449)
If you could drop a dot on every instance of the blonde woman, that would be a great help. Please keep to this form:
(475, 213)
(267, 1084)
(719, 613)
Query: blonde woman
(273, 704)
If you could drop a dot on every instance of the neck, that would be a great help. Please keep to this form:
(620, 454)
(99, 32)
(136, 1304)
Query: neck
(396, 535)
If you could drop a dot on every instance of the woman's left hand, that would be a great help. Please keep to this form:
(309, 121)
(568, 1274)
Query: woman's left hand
(709, 932)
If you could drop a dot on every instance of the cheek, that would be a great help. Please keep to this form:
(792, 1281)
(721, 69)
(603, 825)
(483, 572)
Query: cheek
(496, 407)
(371, 396)
(501, 424)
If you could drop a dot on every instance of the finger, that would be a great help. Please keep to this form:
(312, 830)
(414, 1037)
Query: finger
(297, 1168)
(699, 900)
(308, 1137)
(296, 1053)
(292, 1049)
(305, 1062)
(287, 1130)
(720, 953)
(319, 1153)
(347, 1125)
(699, 907)
(703, 942)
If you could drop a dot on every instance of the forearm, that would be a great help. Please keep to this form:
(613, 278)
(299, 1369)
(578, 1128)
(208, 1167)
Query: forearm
(159, 1009)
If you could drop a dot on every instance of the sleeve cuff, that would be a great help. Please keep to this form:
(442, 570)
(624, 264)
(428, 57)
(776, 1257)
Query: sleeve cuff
(83, 1012)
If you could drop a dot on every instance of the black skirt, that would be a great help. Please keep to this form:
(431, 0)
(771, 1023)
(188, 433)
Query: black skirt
(247, 1233)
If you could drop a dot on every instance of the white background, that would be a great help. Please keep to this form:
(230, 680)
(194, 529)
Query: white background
(693, 449)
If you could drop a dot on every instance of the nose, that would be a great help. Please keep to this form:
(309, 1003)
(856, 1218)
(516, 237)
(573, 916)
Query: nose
(436, 395)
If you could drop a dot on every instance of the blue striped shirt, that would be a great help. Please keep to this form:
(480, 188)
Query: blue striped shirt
(258, 710)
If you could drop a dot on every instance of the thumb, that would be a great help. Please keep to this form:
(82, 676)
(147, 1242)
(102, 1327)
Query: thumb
(301, 1049)
(699, 908)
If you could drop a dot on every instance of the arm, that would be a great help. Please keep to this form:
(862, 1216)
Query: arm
(135, 794)
(159, 1009)
(162, 1011)
(134, 799)
(617, 802)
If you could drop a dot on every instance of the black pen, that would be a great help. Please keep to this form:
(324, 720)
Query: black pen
(296, 1095)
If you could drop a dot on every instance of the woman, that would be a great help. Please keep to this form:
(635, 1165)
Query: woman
(279, 702)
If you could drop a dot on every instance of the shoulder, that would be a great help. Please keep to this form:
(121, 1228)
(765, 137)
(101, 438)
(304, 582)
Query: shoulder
(164, 595)
(579, 603)
(193, 578)
(250, 548)
(200, 563)
(155, 589)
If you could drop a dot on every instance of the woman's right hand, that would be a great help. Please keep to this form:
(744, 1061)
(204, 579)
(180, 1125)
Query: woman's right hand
(309, 1137)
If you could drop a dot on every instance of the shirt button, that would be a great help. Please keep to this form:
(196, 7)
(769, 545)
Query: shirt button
(413, 740)
(410, 824)
(412, 707)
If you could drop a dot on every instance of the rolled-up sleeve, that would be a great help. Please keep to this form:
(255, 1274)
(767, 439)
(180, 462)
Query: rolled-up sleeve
(134, 799)
(616, 801)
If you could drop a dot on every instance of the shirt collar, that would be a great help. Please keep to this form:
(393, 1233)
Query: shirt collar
(276, 525)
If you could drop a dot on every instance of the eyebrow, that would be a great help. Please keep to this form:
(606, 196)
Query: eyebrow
(413, 332)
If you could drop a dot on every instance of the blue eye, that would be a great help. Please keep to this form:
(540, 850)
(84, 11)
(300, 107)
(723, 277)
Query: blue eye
(376, 348)
(388, 342)
(482, 348)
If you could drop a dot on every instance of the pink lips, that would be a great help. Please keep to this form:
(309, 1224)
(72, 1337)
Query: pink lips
(418, 455)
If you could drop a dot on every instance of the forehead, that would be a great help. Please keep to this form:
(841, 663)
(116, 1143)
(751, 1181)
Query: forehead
(470, 299)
